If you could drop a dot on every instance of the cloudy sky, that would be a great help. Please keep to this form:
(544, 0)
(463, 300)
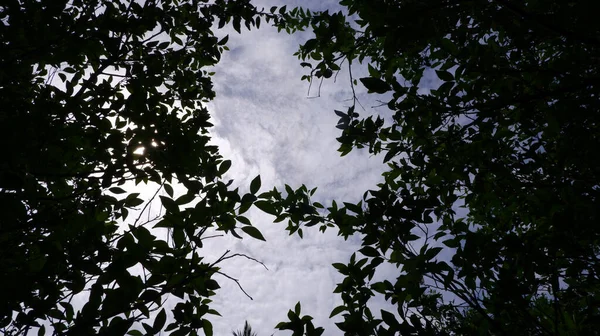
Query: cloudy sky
(266, 124)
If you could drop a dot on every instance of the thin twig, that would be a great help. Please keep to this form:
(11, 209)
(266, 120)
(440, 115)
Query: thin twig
(213, 236)
(237, 282)
(245, 256)
(148, 203)
(355, 99)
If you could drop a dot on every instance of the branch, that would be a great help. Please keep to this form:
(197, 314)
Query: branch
(237, 282)
(245, 256)
(147, 204)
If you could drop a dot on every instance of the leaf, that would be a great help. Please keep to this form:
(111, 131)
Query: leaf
(185, 199)
(444, 75)
(169, 204)
(255, 185)
(236, 24)
(207, 327)
(432, 252)
(369, 251)
(391, 153)
(117, 190)
(453, 243)
(213, 312)
(340, 267)
(267, 207)
(389, 319)
(224, 40)
(375, 84)
(297, 309)
(224, 167)
(373, 72)
(337, 310)
(253, 232)
(169, 190)
(243, 220)
(159, 321)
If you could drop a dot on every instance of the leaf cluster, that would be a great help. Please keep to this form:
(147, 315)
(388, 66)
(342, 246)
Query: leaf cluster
(93, 95)
(488, 205)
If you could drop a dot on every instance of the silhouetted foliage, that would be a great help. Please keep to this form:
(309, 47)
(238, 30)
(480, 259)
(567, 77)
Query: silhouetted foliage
(94, 94)
(247, 331)
(495, 110)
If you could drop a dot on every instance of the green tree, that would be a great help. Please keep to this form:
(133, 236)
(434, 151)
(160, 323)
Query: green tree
(94, 94)
(247, 331)
(494, 109)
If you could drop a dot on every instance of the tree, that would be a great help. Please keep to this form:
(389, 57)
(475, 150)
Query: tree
(247, 331)
(508, 132)
(96, 94)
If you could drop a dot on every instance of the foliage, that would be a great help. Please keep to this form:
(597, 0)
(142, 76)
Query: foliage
(94, 94)
(508, 131)
(247, 331)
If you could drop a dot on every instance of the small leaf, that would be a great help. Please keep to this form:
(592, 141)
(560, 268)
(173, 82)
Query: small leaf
(337, 310)
(444, 75)
(255, 185)
(375, 84)
(224, 167)
(432, 252)
(160, 320)
(236, 24)
(266, 207)
(169, 204)
(243, 220)
(224, 40)
(116, 190)
(135, 333)
(253, 232)
(207, 327)
(214, 312)
(169, 189)
(340, 267)
(389, 318)
(453, 243)
(297, 308)
(369, 251)
(373, 72)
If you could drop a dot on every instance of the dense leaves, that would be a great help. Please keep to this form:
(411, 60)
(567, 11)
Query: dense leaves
(489, 205)
(95, 94)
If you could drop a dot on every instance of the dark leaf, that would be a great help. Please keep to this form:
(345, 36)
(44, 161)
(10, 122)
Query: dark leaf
(375, 84)
(253, 232)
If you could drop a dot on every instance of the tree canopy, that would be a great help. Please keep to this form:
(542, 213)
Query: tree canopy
(94, 94)
(489, 205)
